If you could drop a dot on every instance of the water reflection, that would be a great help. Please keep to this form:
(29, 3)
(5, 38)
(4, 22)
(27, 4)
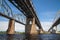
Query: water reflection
(10, 37)
(49, 37)
(22, 36)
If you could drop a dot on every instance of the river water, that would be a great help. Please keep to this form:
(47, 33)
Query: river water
(22, 36)
(49, 37)
(12, 37)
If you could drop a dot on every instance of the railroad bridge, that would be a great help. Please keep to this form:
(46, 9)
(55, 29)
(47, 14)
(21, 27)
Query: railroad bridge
(30, 17)
(27, 9)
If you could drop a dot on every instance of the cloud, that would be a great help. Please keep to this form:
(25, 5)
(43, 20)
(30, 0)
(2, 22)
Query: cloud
(46, 25)
(3, 25)
(18, 27)
(47, 16)
(21, 28)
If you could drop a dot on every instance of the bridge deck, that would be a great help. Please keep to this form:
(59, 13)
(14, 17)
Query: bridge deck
(26, 7)
(55, 23)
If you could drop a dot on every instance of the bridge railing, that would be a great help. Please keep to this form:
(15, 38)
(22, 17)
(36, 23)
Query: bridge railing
(7, 11)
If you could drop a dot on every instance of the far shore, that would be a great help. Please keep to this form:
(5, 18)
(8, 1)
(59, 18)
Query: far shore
(4, 32)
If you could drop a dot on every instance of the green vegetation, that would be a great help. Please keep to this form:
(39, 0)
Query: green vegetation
(4, 32)
(46, 32)
(19, 32)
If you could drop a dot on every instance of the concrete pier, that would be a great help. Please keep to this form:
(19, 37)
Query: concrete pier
(30, 29)
(11, 27)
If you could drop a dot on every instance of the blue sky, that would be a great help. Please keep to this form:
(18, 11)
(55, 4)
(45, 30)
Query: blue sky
(45, 10)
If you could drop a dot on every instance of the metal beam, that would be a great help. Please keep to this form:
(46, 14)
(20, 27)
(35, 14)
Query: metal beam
(11, 18)
(26, 7)
(7, 12)
(55, 23)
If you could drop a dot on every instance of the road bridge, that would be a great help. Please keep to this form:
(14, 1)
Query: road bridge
(56, 21)
(55, 24)
(26, 7)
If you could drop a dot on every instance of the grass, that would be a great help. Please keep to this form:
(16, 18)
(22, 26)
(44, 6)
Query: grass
(4, 32)
(19, 32)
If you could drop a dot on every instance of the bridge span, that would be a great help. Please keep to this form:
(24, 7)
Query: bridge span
(26, 7)
(55, 24)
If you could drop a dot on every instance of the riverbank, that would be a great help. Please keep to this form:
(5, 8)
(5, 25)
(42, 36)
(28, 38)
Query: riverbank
(4, 32)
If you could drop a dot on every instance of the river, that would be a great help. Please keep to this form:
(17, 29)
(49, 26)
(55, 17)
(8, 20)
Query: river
(21, 36)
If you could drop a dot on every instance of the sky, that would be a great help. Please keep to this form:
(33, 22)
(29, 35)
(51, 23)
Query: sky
(46, 11)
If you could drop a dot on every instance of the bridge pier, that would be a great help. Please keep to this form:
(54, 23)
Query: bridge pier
(40, 31)
(56, 29)
(30, 29)
(11, 27)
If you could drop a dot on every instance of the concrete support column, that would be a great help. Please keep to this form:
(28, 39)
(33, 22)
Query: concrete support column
(33, 27)
(30, 29)
(41, 31)
(56, 29)
(11, 27)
